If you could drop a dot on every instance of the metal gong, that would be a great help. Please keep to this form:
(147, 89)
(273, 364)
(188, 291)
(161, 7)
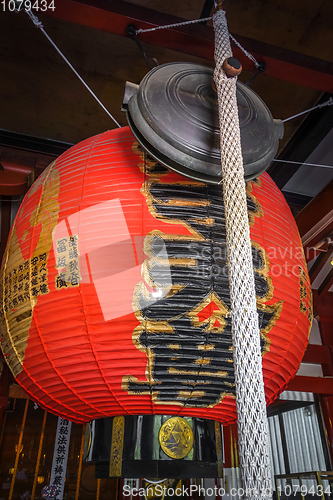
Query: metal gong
(173, 113)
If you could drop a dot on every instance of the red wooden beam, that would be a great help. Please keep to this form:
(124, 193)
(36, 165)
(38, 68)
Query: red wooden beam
(320, 262)
(326, 284)
(197, 39)
(317, 385)
(320, 354)
(315, 221)
(323, 307)
(13, 178)
(12, 183)
(310, 249)
(5, 223)
(315, 211)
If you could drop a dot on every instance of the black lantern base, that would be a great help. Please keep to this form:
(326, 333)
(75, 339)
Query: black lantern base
(155, 446)
(160, 469)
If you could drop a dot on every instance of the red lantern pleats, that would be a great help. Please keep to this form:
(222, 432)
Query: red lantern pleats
(115, 288)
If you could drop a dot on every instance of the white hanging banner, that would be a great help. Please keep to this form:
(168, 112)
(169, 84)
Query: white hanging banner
(60, 455)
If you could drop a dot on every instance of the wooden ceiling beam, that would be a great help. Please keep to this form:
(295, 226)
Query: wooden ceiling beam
(207, 9)
(316, 353)
(315, 221)
(322, 355)
(323, 307)
(197, 39)
(13, 183)
(317, 385)
(315, 211)
(5, 222)
(320, 262)
(327, 283)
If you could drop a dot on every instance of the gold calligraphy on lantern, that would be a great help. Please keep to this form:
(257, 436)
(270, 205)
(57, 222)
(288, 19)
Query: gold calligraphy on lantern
(183, 302)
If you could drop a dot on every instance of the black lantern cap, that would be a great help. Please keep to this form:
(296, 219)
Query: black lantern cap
(173, 113)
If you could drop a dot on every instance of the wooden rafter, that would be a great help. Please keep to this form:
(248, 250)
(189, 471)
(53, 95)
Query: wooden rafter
(197, 40)
(327, 283)
(320, 262)
(315, 223)
(318, 385)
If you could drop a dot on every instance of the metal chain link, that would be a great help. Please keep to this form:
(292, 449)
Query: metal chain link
(193, 21)
(184, 23)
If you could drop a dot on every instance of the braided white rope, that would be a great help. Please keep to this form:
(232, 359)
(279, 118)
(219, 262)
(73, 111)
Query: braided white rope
(250, 395)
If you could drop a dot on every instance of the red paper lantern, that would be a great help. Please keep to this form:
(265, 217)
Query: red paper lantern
(115, 288)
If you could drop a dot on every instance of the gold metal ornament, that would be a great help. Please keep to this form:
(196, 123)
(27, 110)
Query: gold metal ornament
(176, 437)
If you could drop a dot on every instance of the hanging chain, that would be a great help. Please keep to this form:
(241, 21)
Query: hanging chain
(250, 56)
(193, 21)
(167, 26)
